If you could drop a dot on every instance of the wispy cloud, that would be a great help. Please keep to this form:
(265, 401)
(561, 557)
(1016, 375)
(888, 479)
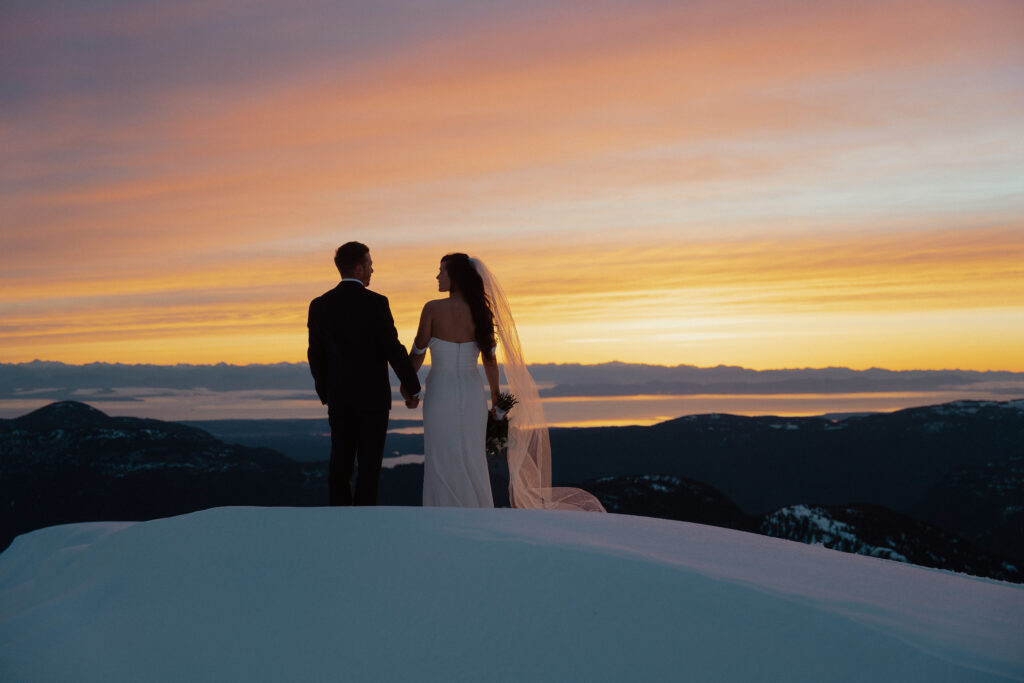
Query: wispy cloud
(175, 176)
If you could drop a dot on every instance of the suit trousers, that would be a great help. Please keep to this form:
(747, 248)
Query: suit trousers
(357, 438)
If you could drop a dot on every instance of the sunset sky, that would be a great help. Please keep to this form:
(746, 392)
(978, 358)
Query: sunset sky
(766, 184)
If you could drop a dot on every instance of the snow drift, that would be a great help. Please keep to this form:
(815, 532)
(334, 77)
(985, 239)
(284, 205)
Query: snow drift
(379, 594)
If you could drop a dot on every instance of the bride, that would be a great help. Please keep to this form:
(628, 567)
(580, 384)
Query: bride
(476, 321)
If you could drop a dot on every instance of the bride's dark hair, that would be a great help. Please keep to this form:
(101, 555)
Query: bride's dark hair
(467, 282)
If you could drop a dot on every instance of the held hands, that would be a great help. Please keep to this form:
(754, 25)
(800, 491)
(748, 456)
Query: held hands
(410, 401)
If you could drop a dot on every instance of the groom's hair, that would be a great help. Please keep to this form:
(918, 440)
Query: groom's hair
(350, 255)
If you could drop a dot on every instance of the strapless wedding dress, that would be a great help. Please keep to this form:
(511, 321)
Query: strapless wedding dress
(455, 428)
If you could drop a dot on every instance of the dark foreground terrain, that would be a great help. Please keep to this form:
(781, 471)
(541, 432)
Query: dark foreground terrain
(941, 486)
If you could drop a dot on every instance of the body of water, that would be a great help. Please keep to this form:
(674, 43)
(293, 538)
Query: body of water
(581, 411)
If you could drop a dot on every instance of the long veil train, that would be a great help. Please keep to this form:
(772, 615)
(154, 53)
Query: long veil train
(529, 446)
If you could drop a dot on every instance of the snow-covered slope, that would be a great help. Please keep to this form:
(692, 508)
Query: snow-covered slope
(388, 594)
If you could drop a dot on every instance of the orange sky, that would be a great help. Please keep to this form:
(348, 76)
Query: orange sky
(805, 184)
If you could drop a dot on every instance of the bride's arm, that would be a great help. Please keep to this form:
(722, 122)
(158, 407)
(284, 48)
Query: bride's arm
(419, 345)
(491, 370)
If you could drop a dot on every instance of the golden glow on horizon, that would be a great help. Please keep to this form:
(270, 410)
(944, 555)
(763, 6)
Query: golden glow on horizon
(836, 184)
(801, 302)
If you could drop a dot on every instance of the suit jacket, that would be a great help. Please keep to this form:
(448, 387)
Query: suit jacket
(352, 340)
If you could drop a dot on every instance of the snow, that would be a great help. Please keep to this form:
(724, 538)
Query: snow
(972, 407)
(665, 483)
(435, 594)
(823, 530)
(122, 470)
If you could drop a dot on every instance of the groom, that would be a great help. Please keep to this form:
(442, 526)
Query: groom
(352, 339)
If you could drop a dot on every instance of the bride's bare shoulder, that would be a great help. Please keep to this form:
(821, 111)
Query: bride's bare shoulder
(433, 307)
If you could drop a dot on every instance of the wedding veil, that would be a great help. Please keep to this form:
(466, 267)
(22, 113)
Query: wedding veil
(529, 446)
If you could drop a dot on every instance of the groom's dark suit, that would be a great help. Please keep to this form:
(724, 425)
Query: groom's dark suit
(352, 339)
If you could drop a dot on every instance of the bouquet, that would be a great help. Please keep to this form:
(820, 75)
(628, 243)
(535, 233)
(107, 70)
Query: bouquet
(497, 427)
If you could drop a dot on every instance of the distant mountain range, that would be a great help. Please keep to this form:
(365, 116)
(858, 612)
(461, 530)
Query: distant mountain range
(117, 381)
(303, 439)
(940, 486)
(68, 462)
(957, 466)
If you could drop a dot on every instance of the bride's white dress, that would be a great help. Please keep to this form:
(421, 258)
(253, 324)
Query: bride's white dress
(455, 428)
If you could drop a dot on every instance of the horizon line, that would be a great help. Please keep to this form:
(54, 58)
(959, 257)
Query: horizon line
(38, 361)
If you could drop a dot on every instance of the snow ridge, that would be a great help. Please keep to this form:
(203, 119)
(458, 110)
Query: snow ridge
(382, 594)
